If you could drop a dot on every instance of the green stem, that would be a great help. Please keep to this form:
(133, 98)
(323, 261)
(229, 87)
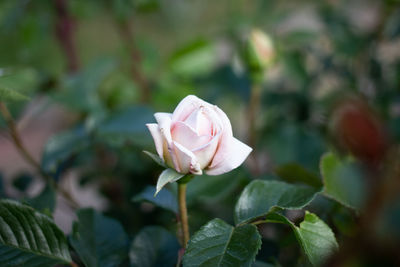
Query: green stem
(253, 111)
(254, 108)
(183, 212)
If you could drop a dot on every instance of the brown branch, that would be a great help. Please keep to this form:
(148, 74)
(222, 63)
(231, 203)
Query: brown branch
(29, 158)
(127, 35)
(64, 33)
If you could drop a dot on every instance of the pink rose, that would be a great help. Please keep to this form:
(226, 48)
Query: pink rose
(197, 136)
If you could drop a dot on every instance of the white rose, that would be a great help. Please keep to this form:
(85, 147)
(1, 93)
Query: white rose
(197, 136)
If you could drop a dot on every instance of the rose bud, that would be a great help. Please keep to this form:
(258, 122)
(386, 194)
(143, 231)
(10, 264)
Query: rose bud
(260, 51)
(359, 131)
(197, 136)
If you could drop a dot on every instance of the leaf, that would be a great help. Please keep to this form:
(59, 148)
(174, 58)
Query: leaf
(293, 172)
(28, 238)
(342, 181)
(7, 95)
(2, 187)
(261, 196)
(315, 237)
(195, 59)
(61, 147)
(167, 176)
(22, 181)
(98, 240)
(80, 91)
(154, 247)
(164, 199)
(208, 189)
(288, 142)
(156, 158)
(262, 264)
(127, 124)
(45, 201)
(17, 85)
(219, 244)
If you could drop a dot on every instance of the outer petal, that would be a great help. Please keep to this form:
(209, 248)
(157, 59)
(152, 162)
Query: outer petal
(164, 124)
(157, 137)
(186, 160)
(186, 107)
(225, 141)
(236, 153)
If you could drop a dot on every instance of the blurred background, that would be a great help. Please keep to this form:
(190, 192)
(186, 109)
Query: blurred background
(324, 76)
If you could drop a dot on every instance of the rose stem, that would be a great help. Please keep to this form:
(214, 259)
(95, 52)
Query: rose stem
(183, 211)
(254, 108)
(28, 157)
(253, 111)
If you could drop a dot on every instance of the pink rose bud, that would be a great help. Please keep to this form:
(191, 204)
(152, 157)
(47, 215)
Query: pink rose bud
(197, 136)
(260, 51)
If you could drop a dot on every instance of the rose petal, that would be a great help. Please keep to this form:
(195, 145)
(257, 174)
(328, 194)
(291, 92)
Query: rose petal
(236, 152)
(164, 121)
(157, 137)
(164, 124)
(186, 107)
(214, 118)
(205, 154)
(187, 137)
(199, 122)
(225, 140)
(224, 120)
(186, 160)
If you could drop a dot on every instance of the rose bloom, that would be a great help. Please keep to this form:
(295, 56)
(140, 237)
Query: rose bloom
(197, 136)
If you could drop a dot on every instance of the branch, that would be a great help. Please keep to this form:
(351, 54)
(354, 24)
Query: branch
(127, 35)
(64, 33)
(29, 158)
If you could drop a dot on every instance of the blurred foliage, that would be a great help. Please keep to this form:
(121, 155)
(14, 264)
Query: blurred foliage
(111, 64)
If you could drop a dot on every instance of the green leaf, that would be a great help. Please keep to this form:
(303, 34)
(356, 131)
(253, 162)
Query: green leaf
(164, 199)
(195, 59)
(98, 240)
(262, 264)
(20, 79)
(80, 91)
(128, 124)
(7, 95)
(156, 158)
(315, 237)
(17, 85)
(2, 187)
(29, 238)
(343, 181)
(62, 147)
(167, 176)
(219, 244)
(154, 247)
(45, 201)
(22, 181)
(260, 197)
(294, 172)
(208, 189)
(289, 142)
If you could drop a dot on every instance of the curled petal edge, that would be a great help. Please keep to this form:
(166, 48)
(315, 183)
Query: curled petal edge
(234, 156)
